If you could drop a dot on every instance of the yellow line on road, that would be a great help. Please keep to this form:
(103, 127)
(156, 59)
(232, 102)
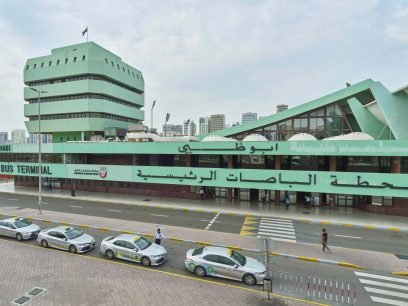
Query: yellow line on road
(84, 226)
(203, 243)
(349, 265)
(401, 273)
(311, 259)
(369, 226)
(127, 232)
(395, 229)
(104, 229)
(347, 224)
(170, 273)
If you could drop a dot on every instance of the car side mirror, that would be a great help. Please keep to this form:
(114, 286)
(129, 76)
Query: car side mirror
(65, 239)
(235, 266)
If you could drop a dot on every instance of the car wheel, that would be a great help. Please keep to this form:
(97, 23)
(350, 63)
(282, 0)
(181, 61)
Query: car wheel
(109, 254)
(146, 261)
(44, 243)
(19, 237)
(72, 249)
(249, 279)
(200, 271)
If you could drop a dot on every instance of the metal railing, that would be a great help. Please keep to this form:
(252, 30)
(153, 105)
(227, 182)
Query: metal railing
(314, 287)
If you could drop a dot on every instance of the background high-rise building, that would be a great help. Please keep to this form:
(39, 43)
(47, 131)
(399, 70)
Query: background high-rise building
(248, 117)
(3, 137)
(172, 129)
(189, 128)
(45, 138)
(18, 136)
(281, 107)
(217, 122)
(204, 125)
(235, 123)
(88, 89)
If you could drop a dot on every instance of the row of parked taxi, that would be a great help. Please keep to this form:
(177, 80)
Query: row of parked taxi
(211, 261)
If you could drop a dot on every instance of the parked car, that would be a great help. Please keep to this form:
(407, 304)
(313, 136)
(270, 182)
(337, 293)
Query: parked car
(133, 248)
(66, 238)
(225, 263)
(18, 228)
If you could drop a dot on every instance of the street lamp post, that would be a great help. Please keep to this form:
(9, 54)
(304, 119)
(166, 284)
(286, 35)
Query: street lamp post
(151, 115)
(165, 124)
(39, 147)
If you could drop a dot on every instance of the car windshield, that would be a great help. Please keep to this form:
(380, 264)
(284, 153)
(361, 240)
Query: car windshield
(74, 233)
(142, 243)
(239, 258)
(22, 223)
(198, 251)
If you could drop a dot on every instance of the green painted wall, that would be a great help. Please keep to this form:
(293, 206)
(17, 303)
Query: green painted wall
(380, 184)
(322, 148)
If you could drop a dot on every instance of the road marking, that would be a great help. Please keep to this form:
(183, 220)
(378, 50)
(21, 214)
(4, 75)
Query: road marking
(164, 216)
(114, 210)
(75, 206)
(387, 292)
(285, 227)
(212, 221)
(375, 283)
(13, 199)
(353, 237)
(388, 278)
(388, 301)
(169, 273)
(273, 235)
(278, 229)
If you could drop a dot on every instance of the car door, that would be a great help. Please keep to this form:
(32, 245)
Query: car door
(62, 241)
(51, 238)
(4, 229)
(11, 232)
(214, 266)
(230, 268)
(120, 250)
(132, 251)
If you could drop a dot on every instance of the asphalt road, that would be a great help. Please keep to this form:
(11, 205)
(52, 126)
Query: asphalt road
(176, 256)
(350, 237)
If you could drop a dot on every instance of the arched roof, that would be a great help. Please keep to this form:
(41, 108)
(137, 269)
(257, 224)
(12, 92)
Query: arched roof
(255, 137)
(302, 136)
(217, 138)
(351, 136)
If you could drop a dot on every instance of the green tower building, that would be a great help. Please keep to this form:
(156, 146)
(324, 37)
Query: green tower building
(86, 90)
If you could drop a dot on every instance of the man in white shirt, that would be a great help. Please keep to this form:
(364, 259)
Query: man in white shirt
(158, 236)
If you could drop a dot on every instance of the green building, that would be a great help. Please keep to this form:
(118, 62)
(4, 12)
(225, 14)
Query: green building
(348, 148)
(87, 90)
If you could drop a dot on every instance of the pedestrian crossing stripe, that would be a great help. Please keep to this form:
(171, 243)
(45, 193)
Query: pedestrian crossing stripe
(385, 289)
(250, 220)
(250, 226)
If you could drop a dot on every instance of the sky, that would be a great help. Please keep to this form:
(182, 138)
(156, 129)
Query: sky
(205, 57)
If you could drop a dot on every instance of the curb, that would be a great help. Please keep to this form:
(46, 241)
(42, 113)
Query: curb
(323, 222)
(296, 257)
(400, 273)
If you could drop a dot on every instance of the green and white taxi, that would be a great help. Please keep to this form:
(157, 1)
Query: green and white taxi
(133, 248)
(225, 263)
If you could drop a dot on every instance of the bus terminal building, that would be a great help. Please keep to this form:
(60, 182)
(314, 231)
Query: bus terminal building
(348, 148)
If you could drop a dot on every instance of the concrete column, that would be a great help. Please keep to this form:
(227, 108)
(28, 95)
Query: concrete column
(188, 160)
(230, 165)
(277, 167)
(332, 196)
(395, 164)
(82, 136)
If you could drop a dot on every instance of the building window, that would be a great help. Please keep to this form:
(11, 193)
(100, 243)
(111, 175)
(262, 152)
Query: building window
(106, 60)
(133, 74)
(128, 72)
(66, 61)
(123, 69)
(118, 66)
(382, 201)
(49, 64)
(35, 65)
(58, 62)
(42, 65)
(113, 65)
(83, 57)
(74, 59)
(28, 66)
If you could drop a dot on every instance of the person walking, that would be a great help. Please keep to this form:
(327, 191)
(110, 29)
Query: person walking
(158, 237)
(325, 238)
(202, 193)
(313, 202)
(308, 201)
(263, 199)
(287, 201)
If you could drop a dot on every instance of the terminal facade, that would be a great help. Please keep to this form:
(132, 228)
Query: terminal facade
(348, 148)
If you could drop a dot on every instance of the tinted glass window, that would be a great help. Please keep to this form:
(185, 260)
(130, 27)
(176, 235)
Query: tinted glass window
(198, 251)
(52, 234)
(22, 223)
(142, 243)
(226, 261)
(74, 233)
(129, 245)
(60, 235)
(119, 243)
(2, 223)
(212, 258)
(10, 225)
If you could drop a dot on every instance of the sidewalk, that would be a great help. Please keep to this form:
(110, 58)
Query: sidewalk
(342, 216)
(306, 252)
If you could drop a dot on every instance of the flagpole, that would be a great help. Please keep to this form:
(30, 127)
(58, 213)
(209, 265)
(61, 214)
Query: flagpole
(87, 30)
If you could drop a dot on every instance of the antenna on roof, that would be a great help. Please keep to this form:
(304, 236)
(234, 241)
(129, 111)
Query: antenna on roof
(348, 84)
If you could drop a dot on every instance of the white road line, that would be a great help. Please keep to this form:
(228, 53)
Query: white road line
(275, 235)
(75, 206)
(388, 301)
(277, 231)
(13, 199)
(164, 216)
(212, 221)
(114, 210)
(353, 237)
(276, 221)
(277, 239)
(276, 225)
(387, 292)
(387, 285)
(392, 279)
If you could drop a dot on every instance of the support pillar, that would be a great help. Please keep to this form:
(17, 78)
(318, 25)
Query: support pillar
(277, 167)
(395, 164)
(332, 196)
(230, 165)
